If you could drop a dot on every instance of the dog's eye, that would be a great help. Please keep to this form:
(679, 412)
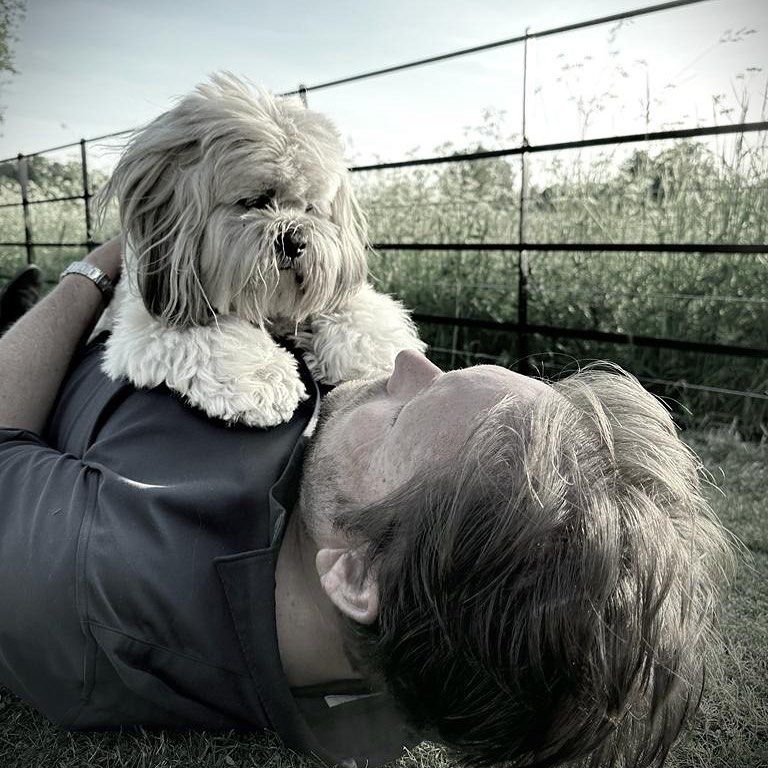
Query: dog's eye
(309, 209)
(260, 201)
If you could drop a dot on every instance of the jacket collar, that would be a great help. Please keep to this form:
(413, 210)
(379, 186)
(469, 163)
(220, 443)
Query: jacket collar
(249, 583)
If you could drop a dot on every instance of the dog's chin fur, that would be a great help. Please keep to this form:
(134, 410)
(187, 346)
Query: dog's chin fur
(206, 279)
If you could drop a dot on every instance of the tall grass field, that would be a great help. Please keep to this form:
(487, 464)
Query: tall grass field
(692, 191)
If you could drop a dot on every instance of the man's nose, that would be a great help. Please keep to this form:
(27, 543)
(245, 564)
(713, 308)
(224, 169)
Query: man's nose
(412, 373)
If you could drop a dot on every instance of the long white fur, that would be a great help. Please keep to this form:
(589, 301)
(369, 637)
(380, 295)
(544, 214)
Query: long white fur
(360, 340)
(202, 289)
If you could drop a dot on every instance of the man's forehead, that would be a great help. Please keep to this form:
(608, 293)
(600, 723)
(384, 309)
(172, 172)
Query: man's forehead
(495, 379)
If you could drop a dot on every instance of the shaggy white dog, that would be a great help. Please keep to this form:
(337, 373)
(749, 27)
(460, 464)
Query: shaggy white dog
(241, 226)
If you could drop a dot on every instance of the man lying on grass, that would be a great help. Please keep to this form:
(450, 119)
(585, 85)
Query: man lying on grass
(521, 571)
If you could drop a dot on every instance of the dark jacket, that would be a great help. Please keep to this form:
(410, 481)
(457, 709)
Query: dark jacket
(138, 545)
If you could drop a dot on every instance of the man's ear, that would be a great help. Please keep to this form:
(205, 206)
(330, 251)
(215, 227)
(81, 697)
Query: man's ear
(340, 572)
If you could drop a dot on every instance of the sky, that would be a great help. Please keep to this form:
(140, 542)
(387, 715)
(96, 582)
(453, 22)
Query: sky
(90, 67)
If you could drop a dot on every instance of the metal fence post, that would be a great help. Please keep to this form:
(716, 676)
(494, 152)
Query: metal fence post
(86, 197)
(523, 363)
(22, 169)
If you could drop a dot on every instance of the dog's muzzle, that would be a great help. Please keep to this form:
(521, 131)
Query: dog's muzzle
(288, 249)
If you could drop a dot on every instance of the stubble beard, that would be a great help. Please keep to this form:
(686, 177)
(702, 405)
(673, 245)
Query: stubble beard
(321, 493)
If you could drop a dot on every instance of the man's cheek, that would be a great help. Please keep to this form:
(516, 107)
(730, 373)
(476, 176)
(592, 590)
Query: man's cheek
(360, 444)
(406, 453)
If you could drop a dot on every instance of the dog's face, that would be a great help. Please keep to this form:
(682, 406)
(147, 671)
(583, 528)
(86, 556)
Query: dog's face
(235, 202)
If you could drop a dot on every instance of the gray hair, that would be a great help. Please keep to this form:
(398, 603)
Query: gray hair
(552, 596)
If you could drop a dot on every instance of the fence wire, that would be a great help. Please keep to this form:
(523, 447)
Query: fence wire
(521, 326)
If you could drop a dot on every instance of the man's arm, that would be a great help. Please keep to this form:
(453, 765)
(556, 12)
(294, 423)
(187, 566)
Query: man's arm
(36, 351)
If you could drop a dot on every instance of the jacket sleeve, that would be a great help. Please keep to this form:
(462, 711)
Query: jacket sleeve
(45, 499)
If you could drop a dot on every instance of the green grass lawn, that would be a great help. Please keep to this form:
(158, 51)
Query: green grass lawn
(731, 730)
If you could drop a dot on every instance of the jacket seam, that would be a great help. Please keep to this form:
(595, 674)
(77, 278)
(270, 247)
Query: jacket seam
(81, 599)
(159, 647)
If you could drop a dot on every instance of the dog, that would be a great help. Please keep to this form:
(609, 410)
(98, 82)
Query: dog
(241, 227)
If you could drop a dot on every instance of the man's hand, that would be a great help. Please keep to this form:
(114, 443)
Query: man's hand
(108, 257)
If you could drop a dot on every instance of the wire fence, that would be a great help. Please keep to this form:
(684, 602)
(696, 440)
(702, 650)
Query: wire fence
(521, 326)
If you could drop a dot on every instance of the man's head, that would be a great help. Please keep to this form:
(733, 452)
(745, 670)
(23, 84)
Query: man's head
(530, 569)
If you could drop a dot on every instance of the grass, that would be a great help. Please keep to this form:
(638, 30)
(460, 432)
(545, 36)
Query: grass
(690, 192)
(730, 731)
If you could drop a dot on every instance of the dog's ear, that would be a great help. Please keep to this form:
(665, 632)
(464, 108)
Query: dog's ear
(163, 217)
(347, 213)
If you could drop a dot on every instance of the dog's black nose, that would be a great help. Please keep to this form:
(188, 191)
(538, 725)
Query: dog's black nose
(290, 247)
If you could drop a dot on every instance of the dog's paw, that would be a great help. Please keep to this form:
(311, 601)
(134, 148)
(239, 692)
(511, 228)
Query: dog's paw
(231, 370)
(255, 383)
(361, 340)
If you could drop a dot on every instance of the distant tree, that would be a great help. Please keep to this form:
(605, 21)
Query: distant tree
(11, 13)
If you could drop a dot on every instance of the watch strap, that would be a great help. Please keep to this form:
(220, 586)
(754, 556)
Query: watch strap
(93, 273)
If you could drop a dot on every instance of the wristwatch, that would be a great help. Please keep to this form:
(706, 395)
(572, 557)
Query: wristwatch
(103, 283)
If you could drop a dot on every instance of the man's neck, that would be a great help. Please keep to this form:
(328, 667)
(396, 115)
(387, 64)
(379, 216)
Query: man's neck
(308, 631)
